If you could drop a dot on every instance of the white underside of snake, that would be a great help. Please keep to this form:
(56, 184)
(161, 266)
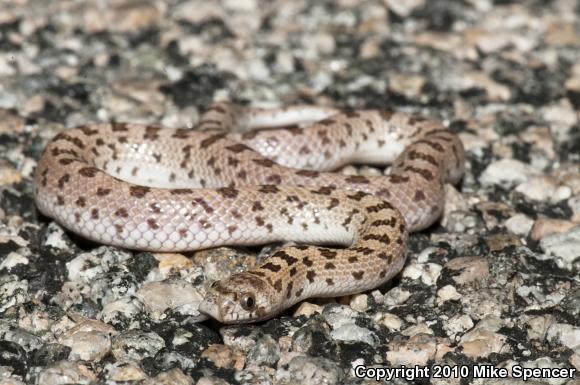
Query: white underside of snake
(250, 176)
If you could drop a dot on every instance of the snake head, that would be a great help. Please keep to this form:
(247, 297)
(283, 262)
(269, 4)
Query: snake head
(241, 298)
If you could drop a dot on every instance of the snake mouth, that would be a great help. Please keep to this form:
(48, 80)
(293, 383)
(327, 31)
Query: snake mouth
(210, 308)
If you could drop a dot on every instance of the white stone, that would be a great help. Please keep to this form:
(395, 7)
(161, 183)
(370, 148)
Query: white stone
(519, 224)
(565, 246)
(447, 293)
(541, 188)
(159, 297)
(11, 260)
(506, 172)
(566, 335)
(352, 332)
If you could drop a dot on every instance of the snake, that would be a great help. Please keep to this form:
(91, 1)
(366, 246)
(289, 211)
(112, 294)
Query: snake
(247, 176)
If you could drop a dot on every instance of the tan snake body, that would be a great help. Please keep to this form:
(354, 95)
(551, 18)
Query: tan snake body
(161, 189)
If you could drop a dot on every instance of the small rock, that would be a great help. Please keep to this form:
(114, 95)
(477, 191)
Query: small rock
(565, 246)
(13, 259)
(90, 340)
(135, 345)
(574, 204)
(457, 324)
(172, 377)
(388, 320)
(466, 270)
(396, 296)
(266, 352)
(307, 309)
(120, 311)
(538, 327)
(9, 175)
(498, 242)
(544, 227)
(483, 339)
(224, 357)
(125, 17)
(428, 272)
(404, 8)
(56, 237)
(417, 350)
(66, 372)
(408, 85)
(519, 224)
(310, 371)
(420, 328)
(447, 293)
(14, 356)
(352, 332)
(171, 262)
(173, 294)
(13, 291)
(49, 354)
(360, 302)
(541, 188)
(506, 172)
(562, 114)
(125, 372)
(566, 335)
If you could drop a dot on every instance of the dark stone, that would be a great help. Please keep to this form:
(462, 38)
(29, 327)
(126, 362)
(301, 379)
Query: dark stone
(49, 354)
(141, 264)
(14, 356)
(197, 86)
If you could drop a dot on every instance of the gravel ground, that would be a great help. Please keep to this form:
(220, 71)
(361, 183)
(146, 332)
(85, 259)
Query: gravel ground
(496, 282)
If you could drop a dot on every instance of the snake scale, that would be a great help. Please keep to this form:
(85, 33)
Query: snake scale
(251, 176)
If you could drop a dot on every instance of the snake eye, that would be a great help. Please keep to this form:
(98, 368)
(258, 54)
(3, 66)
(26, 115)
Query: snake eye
(248, 302)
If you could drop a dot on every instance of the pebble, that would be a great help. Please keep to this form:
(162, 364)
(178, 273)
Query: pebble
(56, 237)
(172, 377)
(467, 270)
(174, 294)
(447, 293)
(544, 227)
(388, 320)
(125, 372)
(13, 356)
(565, 246)
(506, 172)
(135, 345)
(482, 343)
(12, 291)
(90, 340)
(519, 224)
(12, 260)
(310, 371)
(224, 357)
(537, 327)
(541, 188)
(66, 372)
(457, 325)
(417, 350)
(307, 309)
(359, 302)
(121, 311)
(566, 335)
(266, 352)
(352, 332)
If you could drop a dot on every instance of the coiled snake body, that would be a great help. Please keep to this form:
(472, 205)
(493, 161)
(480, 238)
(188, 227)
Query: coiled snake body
(161, 189)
